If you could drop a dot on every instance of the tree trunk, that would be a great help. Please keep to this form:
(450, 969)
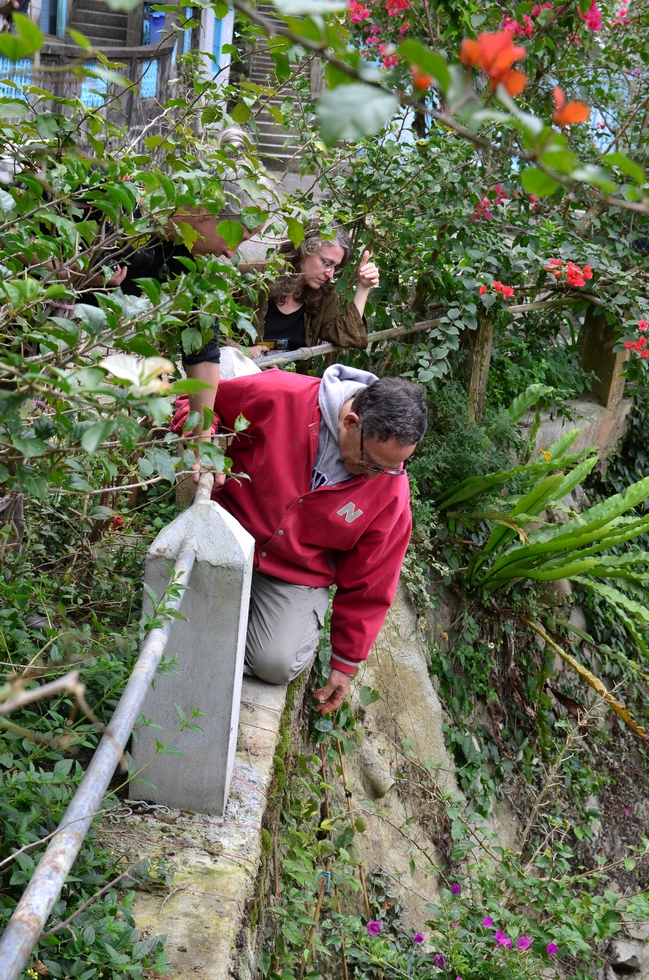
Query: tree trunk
(480, 368)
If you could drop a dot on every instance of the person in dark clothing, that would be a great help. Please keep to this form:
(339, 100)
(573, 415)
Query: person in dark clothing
(159, 259)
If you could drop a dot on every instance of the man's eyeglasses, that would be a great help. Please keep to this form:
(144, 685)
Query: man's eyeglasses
(374, 467)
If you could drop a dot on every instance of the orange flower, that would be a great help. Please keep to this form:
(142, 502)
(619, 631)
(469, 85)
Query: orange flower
(495, 54)
(568, 114)
(420, 80)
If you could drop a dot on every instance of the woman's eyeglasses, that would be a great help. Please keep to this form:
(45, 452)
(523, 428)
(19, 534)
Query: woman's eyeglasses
(327, 264)
(374, 467)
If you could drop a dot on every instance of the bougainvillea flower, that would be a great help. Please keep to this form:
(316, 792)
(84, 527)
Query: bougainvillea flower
(438, 960)
(482, 291)
(642, 324)
(417, 938)
(588, 272)
(420, 80)
(568, 113)
(507, 292)
(524, 942)
(502, 939)
(592, 17)
(487, 922)
(374, 928)
(644, 353)
(552, 949)
(495, 54)
(395, 7)
(456, 889)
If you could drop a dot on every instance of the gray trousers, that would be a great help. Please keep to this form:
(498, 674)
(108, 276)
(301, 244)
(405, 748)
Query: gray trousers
(284, 624)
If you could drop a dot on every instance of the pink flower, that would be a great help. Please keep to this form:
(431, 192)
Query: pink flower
(524, 942)
(374, 928)
(456, 889)
(417, 938)
(488, 922)
(439, 961)
(592, 17)
(642, 325)
(552, 949)
(357, 12)
(453, 925)
(502, 939)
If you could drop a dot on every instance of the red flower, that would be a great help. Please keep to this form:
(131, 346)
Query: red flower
(588, 272)
(498, 285)
(117, 521)
(644, 353)
(495, 54)
(395, 7)
(629, 344)
(482, 290)
(642, 324)
(568, 114)
(508, 292)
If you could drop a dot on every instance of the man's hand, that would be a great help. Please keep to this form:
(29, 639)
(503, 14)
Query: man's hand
(334, 693)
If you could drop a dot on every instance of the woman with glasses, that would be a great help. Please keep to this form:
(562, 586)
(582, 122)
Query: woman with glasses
(302, 307)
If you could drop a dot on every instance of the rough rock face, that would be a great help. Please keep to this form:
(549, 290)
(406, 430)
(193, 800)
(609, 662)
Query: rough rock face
(409, 711)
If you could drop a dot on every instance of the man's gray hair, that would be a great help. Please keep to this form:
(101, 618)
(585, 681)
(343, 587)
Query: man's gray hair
(392, 407)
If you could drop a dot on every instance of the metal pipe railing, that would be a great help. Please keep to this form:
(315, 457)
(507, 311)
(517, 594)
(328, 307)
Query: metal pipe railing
(306, 353)
(31, 913)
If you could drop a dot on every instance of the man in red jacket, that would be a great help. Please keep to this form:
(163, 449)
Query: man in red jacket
(326, 499)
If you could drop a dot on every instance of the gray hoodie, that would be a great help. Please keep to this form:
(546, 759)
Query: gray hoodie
(339, 383)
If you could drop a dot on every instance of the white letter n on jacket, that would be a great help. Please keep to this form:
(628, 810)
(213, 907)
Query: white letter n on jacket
(349, 512)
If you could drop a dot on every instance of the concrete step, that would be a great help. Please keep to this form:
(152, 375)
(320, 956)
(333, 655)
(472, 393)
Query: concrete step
(108, 36)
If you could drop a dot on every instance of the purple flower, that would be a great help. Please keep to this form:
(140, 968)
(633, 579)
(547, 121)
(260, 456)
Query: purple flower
(552, 949)
(438, 960)
(488, 922)
(453, 925)
(456, 889)
(502, 939)
(374, 928)
(417, 938)
(524, 942)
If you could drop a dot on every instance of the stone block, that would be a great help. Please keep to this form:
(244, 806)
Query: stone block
(596, 354)
(210, 644)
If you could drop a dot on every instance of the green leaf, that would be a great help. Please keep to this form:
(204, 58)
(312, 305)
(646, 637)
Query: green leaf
(93, 318)
(79, 39)
(187, 386)
(295, 231)
(7, 203)
(627, 166)
(126, 5)
(28, 41)
(526, 399)
(596, 176)
(231, 231)
(429, 61)
(564, 161)
(368, 695)
(96, 434)
(350, 112)
(534, 181)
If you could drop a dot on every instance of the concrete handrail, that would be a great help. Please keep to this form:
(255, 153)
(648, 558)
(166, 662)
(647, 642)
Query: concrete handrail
(31, 913)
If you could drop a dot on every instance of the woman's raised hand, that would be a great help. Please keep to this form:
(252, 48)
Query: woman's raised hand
(368, 274)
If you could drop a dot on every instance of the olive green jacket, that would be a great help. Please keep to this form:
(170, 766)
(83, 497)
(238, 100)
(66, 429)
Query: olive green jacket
(326, 325)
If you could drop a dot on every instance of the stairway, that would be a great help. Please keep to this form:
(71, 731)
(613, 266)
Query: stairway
(104, 28)
(278, 145)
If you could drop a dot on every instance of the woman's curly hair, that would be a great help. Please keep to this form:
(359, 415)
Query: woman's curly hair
(291, 283)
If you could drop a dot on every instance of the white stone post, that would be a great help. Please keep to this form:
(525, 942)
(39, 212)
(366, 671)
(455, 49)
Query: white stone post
(210, 644)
